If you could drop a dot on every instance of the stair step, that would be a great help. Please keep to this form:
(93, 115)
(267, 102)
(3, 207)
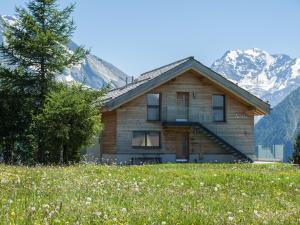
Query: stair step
(235, 152)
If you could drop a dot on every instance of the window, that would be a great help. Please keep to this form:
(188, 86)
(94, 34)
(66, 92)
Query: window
(146, 139)
(218, 103)
(153, 107)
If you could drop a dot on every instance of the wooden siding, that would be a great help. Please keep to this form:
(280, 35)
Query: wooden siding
(108, 136)
(237, 130)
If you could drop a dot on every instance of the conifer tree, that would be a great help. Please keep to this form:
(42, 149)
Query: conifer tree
(296, 153)
(36, 45)
(16, 105)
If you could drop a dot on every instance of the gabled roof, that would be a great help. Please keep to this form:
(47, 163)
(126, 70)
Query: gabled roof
(154, 78)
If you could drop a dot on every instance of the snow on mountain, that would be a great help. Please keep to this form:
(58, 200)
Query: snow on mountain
(93, 71)
(269, 76)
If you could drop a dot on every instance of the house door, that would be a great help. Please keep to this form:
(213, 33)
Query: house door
(182, 106)
(182, 146)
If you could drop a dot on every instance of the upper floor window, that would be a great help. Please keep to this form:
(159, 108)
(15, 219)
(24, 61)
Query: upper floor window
(218, 106)
(153, 107)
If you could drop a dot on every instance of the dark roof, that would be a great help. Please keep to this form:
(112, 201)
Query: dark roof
(144, 77)
(156, 77)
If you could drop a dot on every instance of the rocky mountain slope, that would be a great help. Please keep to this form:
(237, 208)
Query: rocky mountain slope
(269, 76)
(282, 125)
(94, 72)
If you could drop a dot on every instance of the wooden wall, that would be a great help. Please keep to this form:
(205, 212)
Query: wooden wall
(108, 137)
(237, 130)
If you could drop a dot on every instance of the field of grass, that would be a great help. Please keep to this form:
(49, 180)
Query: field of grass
(153, 194)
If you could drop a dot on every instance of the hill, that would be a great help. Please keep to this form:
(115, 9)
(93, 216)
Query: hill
(282, 125)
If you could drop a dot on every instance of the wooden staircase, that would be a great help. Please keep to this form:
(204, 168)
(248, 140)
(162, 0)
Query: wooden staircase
(198, 127)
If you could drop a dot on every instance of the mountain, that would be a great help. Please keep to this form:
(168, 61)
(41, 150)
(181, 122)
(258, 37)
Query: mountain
(269, 76)
(93, 71)
(282, 125)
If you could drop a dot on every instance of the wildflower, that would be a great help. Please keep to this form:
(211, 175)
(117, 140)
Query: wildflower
(4, 180)
(98, 213)
(256, 213)
(123, 210)
(230, 218)
(163, 222)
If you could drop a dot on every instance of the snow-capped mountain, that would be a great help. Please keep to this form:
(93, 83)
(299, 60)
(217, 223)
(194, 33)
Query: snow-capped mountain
(94, 72)
(269, 76)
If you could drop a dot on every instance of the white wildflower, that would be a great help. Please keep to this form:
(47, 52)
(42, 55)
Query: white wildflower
(163, 222)
(230, 218)
(256, 213)
(123, 210)
(4, 180)
(98, 213)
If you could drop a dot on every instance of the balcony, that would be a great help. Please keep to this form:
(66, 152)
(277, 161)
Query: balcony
(186, 114)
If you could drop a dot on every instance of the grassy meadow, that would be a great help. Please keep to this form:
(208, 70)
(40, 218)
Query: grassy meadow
(151, 194)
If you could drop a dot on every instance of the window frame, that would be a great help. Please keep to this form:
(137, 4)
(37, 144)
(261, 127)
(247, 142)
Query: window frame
(219, 108)
(146, 132)
(154, 107)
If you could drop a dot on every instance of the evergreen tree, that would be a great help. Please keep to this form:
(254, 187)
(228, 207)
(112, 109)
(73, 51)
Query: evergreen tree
(296, 153)
(69, 121)
(16, 106)
(36, 45)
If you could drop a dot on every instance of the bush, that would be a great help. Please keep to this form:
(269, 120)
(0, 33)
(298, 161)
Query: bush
(69, 121)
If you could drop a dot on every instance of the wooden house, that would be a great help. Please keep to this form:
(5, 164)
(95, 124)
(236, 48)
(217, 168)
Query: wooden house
(181, 112)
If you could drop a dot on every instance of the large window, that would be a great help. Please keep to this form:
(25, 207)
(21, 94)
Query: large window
(146, 139)
(153, 107)
(218, 104)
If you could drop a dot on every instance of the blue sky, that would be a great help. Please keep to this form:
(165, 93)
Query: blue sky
(138, 35)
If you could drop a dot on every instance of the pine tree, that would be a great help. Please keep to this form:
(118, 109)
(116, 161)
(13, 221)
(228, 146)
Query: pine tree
(16, 106)
(36, 44)
(296, 153)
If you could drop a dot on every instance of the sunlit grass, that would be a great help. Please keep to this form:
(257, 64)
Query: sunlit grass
(154, 194)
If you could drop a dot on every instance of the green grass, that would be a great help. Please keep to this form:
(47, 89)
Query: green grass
(154, 194)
